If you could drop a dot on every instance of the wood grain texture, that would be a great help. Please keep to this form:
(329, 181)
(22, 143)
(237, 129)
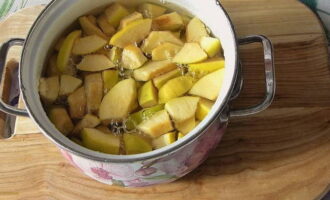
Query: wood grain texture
(282, 153)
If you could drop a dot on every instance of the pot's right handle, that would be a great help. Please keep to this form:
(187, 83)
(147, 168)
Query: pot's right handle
(269, 73)
(3, 57)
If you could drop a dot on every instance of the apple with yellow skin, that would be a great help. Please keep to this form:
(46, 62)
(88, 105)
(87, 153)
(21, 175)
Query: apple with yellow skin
(190, 53)
(164, 140)
(175, 88)
(148, 95)
(211, 46)
(135, 144)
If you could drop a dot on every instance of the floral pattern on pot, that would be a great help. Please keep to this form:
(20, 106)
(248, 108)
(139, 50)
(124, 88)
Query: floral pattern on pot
(159, 170)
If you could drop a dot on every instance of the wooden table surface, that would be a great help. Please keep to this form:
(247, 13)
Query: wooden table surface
(282, 153)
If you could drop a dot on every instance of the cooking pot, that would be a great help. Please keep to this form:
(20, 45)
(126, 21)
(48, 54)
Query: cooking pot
(160, 166)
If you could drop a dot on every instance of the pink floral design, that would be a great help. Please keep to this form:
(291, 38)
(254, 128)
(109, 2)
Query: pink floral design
(146, 171)
(101, 173)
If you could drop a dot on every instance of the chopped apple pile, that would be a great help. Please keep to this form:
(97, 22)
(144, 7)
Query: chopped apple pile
(132, 80)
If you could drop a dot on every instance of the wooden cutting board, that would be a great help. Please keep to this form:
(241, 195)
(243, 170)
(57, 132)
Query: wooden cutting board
(282, 153)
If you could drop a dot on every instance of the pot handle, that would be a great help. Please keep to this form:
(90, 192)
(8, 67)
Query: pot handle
(269, 73)
(3, 56)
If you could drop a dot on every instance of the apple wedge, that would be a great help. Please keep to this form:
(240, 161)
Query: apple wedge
(190, 53)
(180, 135)
(66, 50)
(153, 69)
(195, 30)
(92, 19)
(159, 81)
(99, 141)
(95, 62)
(175, 88)
(119, 101)
(89, 28)
(165, 51)
(77, 103)
(182, 109)
(157, 38)
(135, 144)
(49, 89)
(171, 22)
(159, 124)
(69, 84)
(94, 91)
(186, 126)
(133, 33)
(129, 19)
(203, 108)
(115, 13)
(89, 44)
(211, 46)
(151, 10)
(52, 66)
(132, 57)
(148, 96)
(60, 118)
(201, 69)
(136, 118)
(105, 26)
(115, 55)
(164, 140)
(110, 79)
(213, 82)
(89, 121)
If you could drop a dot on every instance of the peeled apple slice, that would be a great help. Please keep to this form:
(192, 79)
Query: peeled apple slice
(99, 141)
(77, 103)
(119, 101)
(133, 33)
(89, 28)
(89, 121)
(89, 44)
(95, 62)
(153, 69)
(159, 81)
(159, 124)
(132, 57)
(148, 95)
(115, 13)
(66, 50)
(69, 84)
(203, 108)
(211, 46)
(195, 30)
(206, 67)
(60, 118)
(213, 82)
(49, 89)
(151, 10)
(129, 19)
(182, 108)
(164, 140)
(190, 53)
(157, 38)
(171, 21)
(165, 51)
(135, 144)
(175, 88)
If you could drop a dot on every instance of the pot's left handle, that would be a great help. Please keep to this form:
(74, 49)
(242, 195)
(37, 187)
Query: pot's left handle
(3, 57)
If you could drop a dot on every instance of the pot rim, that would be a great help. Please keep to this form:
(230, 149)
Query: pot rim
(103, 157)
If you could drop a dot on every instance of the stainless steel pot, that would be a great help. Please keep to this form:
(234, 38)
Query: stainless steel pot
(159, 166)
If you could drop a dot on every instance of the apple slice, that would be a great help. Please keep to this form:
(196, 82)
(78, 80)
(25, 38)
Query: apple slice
(89, 28)
(159, 124)
(77, 103)
(180, 135)
(105, 26)
(89, 121)
(129, 19)
(65, 51)
(49, 89)
(115, 54)
(151, 10)
(115, 13)
(52, 66)
(201, 69)
(159, 81)
(157, 38)
(195, 30)
(186, 126)
(165, 51)
(59, 43)
(186, 19)
(203, 108)
(92, 19)
(148, 96)
(60, 118)
(94, 91)
(211, 46)
(95, 62)
(190, 53)
(213, 82)
(171, 22)
(136, 118)
(135, 144)
(99, 141)
(153, 69)
(182, 109)
(110, 79)
(164, 140)
(118, 103)
(133, 33)
(132, 57)
(69, 84)
(89, 44)
(175, 88)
